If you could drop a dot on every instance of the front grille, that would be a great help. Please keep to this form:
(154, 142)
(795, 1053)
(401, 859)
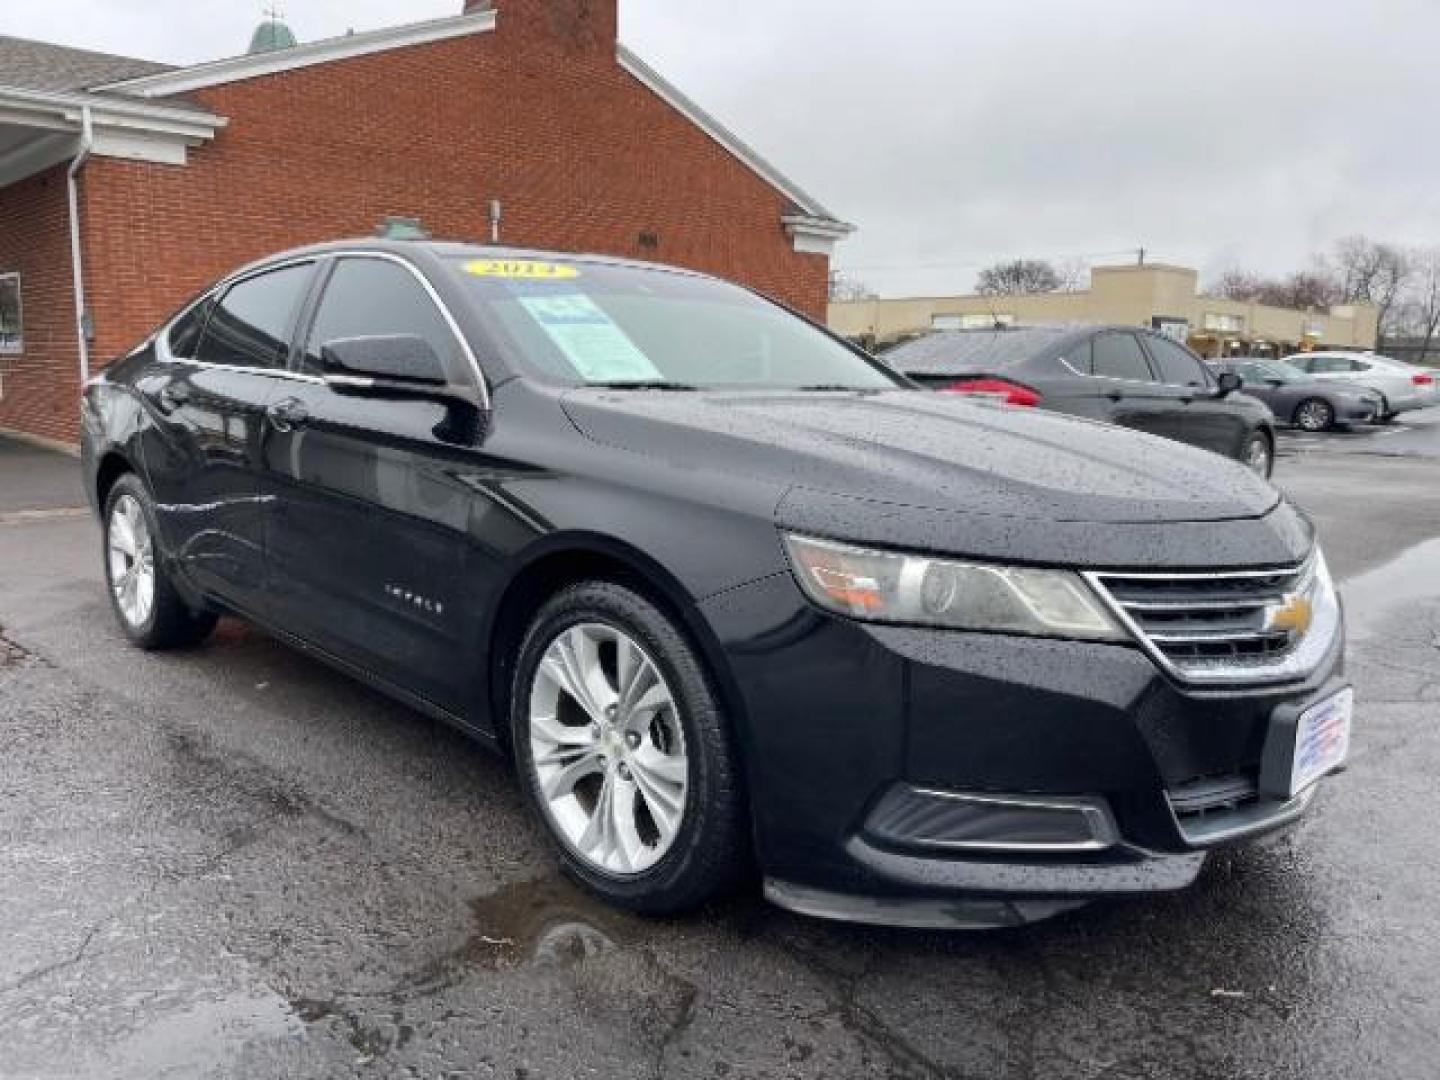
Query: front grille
(1221, 809)
(1218, 627)
(1204, 798)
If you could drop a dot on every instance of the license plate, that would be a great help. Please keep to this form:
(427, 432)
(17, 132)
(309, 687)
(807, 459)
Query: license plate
(1322, 740)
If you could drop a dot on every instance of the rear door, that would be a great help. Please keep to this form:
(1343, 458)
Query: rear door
(1192, 412)
(227, 359)
(368, 538)
(1124, 385)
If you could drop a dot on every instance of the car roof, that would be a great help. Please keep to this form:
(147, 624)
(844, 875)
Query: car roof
(1352, 354)
(963, 350)
(449, 249)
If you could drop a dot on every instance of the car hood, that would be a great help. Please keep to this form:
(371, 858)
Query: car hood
(924, 450)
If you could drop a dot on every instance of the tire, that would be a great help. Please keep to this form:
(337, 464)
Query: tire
(1383, 415)
(569, 754)
(1260, 455)
(149, 608)
(1314, 414)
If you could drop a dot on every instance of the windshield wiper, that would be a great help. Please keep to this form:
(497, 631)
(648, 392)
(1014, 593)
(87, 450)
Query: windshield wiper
(646, 384)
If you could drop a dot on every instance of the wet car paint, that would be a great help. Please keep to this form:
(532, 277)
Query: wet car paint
(353, 932)
(392, 538)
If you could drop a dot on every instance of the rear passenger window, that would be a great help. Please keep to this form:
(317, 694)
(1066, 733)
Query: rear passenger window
(1077, 356)
(1119, 356)
(1177, 366)
(185, 331)
(251, 326)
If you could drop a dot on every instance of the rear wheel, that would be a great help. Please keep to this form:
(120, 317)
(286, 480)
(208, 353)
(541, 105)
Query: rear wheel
(1314, 414)
(623, 752)
(1260, 455)
(1383, 415)
(142, 593)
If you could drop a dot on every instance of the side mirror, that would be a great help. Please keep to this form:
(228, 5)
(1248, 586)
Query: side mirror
(402, 359)
(1228, 383)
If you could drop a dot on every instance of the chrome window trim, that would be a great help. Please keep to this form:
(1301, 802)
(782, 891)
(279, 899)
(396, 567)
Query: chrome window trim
(162, 338)
(1108, 378)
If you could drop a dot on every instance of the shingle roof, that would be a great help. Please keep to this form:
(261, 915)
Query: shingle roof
(38, 65)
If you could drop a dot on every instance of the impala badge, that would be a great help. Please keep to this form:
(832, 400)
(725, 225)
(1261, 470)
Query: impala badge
(406, 596)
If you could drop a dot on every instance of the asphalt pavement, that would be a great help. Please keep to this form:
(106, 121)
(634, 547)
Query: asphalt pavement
(232, 862)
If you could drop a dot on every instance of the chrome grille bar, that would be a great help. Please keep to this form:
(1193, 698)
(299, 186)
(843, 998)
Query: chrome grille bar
(1217, 628)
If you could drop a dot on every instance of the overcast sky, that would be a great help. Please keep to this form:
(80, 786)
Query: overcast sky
(955, 132)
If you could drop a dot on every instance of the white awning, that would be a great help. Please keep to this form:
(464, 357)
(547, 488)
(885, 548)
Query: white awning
(40, 129)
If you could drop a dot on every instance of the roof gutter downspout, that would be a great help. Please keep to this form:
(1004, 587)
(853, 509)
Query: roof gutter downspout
(77, 266)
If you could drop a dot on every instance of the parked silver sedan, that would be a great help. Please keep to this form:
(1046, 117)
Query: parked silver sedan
(1402, 387)
(1300, 399)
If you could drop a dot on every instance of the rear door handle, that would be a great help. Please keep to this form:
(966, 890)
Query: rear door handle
(287, 414)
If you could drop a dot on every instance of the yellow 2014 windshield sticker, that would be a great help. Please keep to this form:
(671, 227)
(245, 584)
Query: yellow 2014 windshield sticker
(522, 270)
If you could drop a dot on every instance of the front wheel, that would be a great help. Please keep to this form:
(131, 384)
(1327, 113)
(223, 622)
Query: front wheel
(150, 609)
(1260, 455)
(1314, 414)
(624, 753)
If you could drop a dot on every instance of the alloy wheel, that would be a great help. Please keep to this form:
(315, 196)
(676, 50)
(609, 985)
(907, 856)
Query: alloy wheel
(608, 749)
(131, 553)
(1314, 415)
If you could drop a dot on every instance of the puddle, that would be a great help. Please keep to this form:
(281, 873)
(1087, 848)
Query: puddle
(547, 923)
(203, 1038)
(1371, 597)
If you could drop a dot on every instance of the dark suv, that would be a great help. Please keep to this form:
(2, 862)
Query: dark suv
(728, 592)
(1119, 374)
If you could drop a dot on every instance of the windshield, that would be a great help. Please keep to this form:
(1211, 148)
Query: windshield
(590, 324)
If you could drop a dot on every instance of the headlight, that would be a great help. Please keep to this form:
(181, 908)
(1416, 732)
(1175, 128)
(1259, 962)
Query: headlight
(884, 586)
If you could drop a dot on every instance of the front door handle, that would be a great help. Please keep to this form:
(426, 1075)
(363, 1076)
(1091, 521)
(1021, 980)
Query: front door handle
(287, 414)
(173, 396)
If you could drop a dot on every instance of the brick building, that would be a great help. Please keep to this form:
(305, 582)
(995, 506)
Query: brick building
(132, 185)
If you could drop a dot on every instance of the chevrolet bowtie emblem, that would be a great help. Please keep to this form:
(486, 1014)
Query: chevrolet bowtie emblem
(1293, 616)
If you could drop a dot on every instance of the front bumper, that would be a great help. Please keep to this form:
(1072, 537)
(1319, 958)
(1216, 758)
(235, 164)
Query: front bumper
(1356, 410)
(840, 715)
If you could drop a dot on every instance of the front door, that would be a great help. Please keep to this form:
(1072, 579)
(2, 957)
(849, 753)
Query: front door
(227, 360)
(368, 536)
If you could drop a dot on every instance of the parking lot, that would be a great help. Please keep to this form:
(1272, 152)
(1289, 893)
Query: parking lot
(234, 862)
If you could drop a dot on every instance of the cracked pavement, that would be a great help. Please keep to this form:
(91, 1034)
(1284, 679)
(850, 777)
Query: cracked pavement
(233, 862)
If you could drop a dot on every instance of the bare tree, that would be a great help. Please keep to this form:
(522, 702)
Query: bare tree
(1373, 273)
(1074, 275)
(1422, 306)
(1018, 276)
(1237, 284)
(1301, 291)
(844, 288)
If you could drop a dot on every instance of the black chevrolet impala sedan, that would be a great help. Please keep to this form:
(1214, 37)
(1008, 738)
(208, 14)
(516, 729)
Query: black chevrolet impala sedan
(734, 598)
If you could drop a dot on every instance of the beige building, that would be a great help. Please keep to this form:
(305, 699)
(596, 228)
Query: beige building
(1165, 298)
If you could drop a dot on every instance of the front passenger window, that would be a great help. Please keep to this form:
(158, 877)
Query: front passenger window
(1178, 366)
(377, 298)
